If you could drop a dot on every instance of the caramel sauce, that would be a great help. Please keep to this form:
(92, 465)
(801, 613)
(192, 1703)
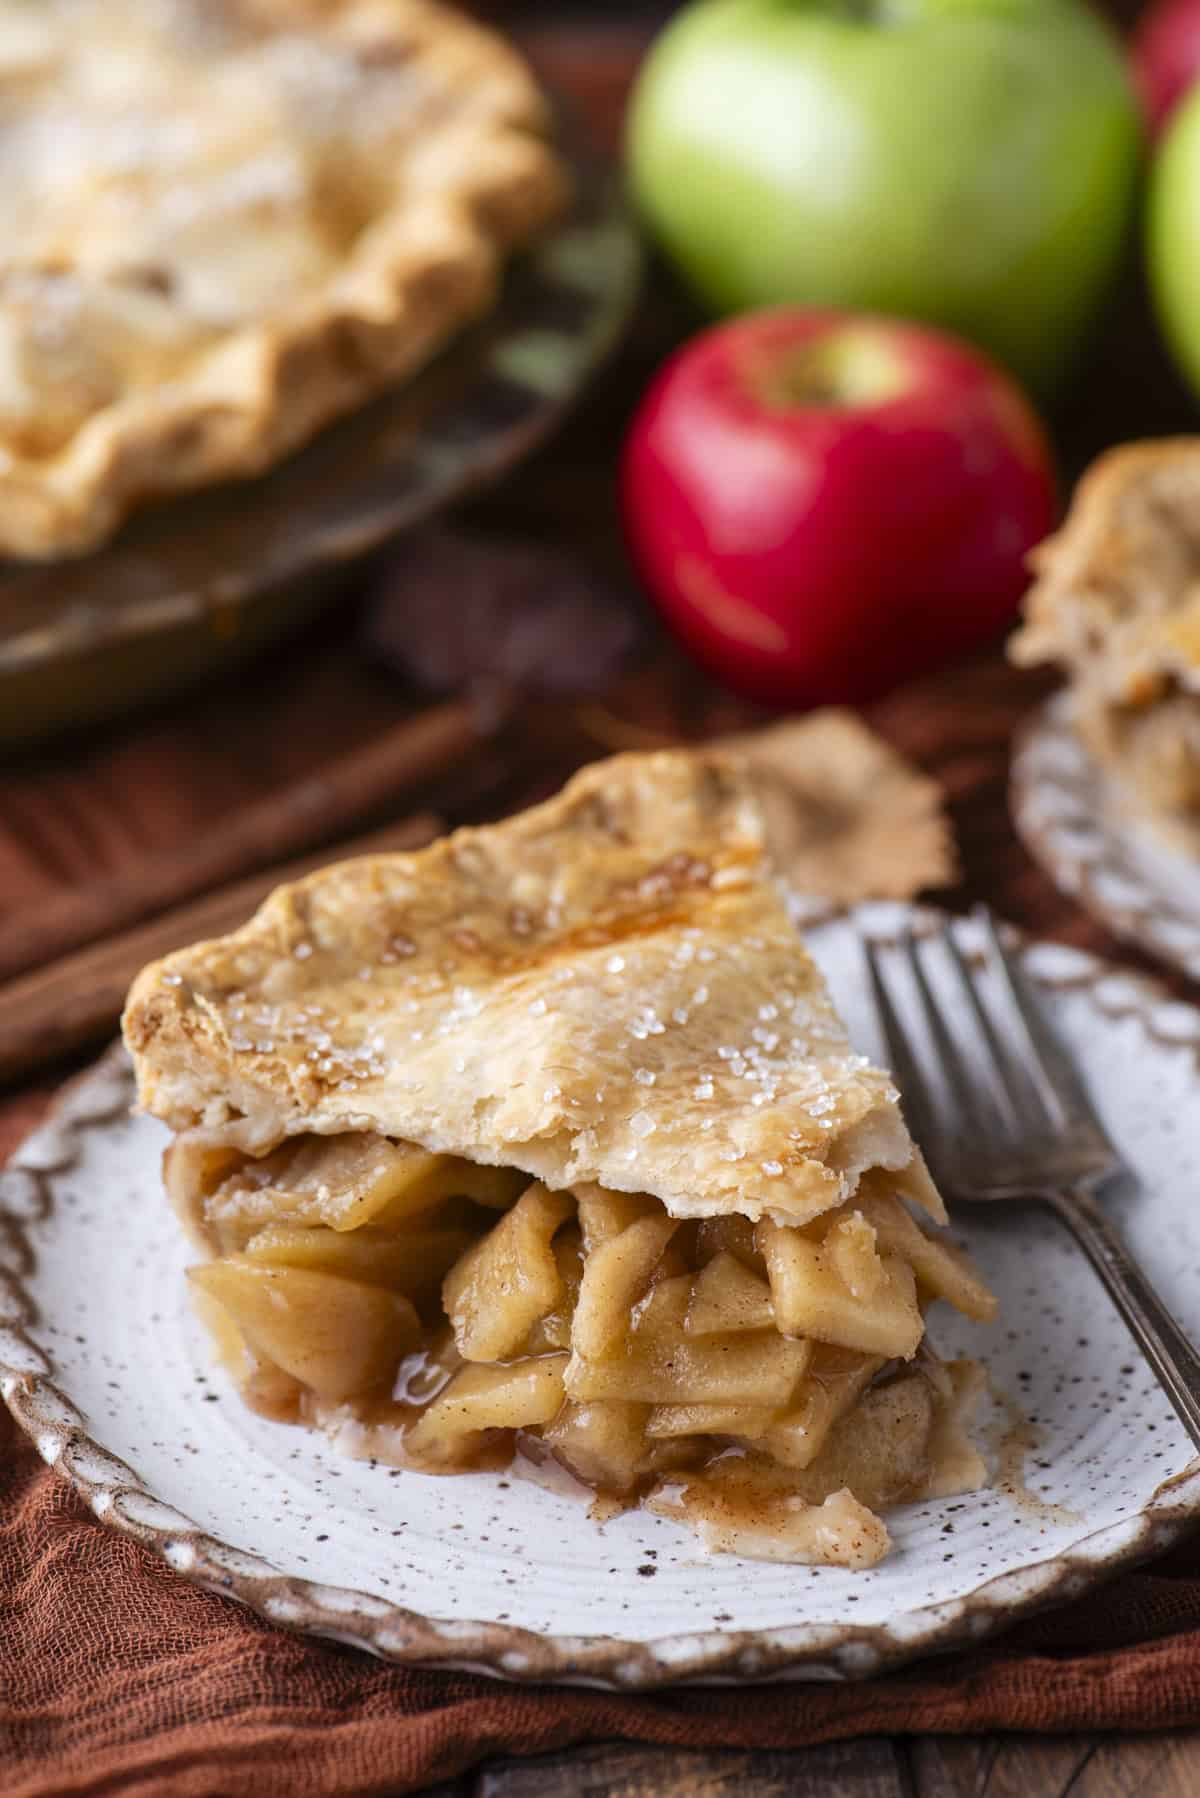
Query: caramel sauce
(1014, 1438)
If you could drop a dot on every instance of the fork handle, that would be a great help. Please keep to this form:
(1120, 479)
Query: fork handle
(1159, 1337)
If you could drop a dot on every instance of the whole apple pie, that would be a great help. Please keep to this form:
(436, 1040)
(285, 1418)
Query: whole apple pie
(1117, 604)
(547, 1141)
(228, 222)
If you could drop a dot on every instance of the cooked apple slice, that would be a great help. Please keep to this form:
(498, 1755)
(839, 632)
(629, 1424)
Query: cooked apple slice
(603, 1443)
(658, 1364)
(499, 1289)
(336, 1336)
(553, 1331)
(851, 1249)
(603, 1214)
(478, 1398)
(880, 1451)
(734, 1235)
(941, 1269)
(749, 1421)
(350, 1180)
(835, 1379)
(812, 1298)
(728, 1299)
(438, 1177)
(737, 1370)
(193, 1170)
(415, 1262)
(616, 1273)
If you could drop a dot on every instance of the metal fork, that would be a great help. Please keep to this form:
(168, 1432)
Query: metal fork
(1021, 1129)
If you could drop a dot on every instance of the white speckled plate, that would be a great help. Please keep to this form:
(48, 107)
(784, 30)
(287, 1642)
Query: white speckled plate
(104, 1366)
(1083, 829)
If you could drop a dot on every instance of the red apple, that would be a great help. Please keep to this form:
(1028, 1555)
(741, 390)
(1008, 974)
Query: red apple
(825, 504)
(1166, 57)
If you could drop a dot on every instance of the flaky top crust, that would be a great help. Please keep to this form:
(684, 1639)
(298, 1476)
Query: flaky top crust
(605, 988)
(451, 130)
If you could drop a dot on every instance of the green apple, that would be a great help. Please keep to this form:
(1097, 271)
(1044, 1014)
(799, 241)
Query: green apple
(967, 162)
(1173, 236)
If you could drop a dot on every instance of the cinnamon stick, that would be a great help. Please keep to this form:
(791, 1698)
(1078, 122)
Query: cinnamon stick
(77, 1000)
(345, 792)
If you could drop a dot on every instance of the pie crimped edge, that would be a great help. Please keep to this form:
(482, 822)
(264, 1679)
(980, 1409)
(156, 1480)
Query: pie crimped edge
(411, 281)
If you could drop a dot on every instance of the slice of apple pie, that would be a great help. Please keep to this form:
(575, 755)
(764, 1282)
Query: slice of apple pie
(547, 1140)
(1117, 604)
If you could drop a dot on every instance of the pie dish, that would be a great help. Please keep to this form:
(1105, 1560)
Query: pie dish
(548, 1140)
(237, 222)
(1117, 604)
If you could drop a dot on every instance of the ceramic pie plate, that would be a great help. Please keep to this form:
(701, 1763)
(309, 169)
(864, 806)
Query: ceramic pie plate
(105, 1368)
(196, 584)
(1076, 820)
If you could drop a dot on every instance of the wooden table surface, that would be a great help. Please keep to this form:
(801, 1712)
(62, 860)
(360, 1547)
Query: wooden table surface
(102, 801)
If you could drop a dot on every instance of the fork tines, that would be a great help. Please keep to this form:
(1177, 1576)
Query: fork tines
(989, 1089)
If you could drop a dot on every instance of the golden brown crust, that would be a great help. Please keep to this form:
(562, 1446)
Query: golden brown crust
(456, 149)
(606, 988)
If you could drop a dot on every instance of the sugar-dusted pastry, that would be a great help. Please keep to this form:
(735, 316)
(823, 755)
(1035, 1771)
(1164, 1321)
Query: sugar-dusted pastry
(547, 1139)
(1117, 604)
(226, 222)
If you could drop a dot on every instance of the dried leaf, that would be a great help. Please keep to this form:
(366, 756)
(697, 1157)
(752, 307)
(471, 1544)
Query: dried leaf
(848, 818)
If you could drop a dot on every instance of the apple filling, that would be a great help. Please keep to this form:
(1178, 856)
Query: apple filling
(771, 1384)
